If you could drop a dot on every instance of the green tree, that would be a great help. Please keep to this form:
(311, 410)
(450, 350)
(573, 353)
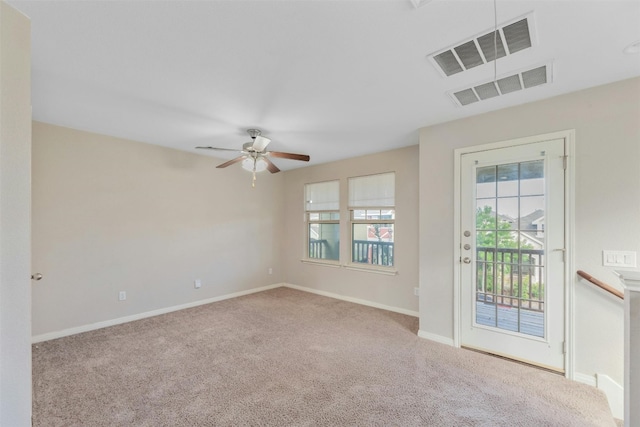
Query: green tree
(492, 233)
(498, 234)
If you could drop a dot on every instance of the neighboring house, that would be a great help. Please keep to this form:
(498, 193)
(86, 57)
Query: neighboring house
(533, 221)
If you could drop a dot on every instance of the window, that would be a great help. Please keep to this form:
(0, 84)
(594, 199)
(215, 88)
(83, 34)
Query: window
(372, 216)
(323, 220)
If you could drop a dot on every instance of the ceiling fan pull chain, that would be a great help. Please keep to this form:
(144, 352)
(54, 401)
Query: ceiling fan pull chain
(253, 182)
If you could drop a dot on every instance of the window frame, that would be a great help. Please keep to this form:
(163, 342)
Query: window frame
(372, 222)
(308, 222)
(371, 267)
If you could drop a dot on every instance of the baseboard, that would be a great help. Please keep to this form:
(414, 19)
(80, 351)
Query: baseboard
(437, 338)
(611, 389)
(353, 300)
(614, 392)
(99, 325)
(586, 379)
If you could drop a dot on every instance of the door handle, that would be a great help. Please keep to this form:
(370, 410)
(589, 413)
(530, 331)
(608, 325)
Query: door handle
(466, 260)
(36, 276)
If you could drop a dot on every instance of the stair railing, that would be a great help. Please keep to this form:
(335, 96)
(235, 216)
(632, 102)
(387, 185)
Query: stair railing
(601, 284)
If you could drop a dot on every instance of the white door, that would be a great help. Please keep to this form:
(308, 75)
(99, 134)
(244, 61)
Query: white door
(15, 218)
(512, 252)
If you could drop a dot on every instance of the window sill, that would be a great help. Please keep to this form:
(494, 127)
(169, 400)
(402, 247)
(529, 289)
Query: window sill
(370, 269)
(333, 264)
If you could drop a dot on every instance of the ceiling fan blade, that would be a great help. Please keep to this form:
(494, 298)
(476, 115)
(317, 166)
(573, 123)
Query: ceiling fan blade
(302, 157)
(270, 166)
(260, 143)
(220, 149)
(230, 162)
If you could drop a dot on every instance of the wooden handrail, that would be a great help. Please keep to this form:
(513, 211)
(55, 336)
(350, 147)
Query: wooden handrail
(600, 284)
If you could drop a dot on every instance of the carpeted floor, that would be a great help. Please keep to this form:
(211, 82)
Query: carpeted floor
(289, 358)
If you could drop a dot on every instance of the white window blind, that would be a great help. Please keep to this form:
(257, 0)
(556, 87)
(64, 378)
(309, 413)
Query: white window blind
(323, 196)
(372, 191)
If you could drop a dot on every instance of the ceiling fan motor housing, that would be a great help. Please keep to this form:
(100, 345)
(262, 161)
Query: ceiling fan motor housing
(253, 133)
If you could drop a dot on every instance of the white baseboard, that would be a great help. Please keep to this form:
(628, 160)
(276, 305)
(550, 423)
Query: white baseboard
(437, 338)
(353, 300)
(120, 320)
(585, 379)
(613, 390)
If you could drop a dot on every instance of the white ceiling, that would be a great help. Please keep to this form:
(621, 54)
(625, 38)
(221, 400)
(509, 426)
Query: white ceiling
(332, 79)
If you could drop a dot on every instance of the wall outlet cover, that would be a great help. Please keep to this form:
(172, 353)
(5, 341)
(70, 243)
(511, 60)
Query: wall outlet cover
(619, 259)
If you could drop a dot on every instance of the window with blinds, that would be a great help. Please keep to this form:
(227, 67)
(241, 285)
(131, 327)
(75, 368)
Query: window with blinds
(322, 214)
(372, 219)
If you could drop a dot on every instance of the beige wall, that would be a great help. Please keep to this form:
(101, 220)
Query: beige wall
(15, 199)
(632, 411)
(606, 120)
(392, 291)
(113, 215)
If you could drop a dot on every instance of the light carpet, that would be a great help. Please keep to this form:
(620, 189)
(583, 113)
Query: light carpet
(289, 358)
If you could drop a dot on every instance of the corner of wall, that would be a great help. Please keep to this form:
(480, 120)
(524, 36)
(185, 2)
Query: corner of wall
(437, 338)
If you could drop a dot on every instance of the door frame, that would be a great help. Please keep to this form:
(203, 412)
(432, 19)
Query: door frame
(569, 235)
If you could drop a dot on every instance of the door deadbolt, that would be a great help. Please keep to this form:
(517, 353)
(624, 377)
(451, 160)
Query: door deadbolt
(36, 276)
(467, 233)
(467, 246)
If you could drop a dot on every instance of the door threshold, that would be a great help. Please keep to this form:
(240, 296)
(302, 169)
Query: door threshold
(515, 360)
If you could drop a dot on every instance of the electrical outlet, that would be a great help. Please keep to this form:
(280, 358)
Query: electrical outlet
(270, 270)
(416, 291)
(122, 295)
(197, 283)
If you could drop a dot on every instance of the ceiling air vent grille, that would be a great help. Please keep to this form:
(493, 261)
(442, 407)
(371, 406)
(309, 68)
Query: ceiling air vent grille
(504, 85)
(512, 37)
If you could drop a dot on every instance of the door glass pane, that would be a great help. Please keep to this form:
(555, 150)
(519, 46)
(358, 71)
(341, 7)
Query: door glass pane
(531, 211)
(486, 214)
(507, 212)
(510, 247)
(532, 178)
(508, 180)
(486, 182)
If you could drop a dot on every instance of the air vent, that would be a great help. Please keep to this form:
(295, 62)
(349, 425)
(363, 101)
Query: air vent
(512, 37)
(486, 90)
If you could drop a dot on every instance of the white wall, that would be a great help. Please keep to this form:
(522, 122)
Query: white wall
(607, 124)
(15, 199)
(391, 291)
(113, 215)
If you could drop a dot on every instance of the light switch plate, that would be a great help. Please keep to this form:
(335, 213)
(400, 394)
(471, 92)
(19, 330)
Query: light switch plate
(619, 259)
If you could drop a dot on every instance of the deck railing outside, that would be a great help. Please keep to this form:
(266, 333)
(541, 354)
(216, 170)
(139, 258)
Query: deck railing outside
(372, 252)
(512, 277)
(318, 249)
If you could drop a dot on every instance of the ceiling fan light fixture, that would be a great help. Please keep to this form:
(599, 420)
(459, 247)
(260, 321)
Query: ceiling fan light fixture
(254, 165)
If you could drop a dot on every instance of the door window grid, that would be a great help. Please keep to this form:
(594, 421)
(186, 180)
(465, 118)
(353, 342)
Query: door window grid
(510, 261)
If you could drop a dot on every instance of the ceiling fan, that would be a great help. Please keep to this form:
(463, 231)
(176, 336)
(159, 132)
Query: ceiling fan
(254, 156)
